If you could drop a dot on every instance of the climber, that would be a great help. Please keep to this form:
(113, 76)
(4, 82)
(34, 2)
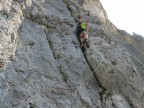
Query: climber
(82, 34)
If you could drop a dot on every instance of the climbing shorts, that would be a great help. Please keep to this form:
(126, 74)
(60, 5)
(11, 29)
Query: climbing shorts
(83, 36)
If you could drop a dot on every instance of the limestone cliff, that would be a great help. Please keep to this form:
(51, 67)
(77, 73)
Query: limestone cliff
(42, 65)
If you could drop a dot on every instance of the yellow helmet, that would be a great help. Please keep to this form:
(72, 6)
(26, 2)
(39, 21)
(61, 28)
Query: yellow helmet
(83, 25)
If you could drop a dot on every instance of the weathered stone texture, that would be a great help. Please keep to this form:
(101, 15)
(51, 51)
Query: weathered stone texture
(42, 65)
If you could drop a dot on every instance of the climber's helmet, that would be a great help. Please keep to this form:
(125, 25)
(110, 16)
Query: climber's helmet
(85, 24)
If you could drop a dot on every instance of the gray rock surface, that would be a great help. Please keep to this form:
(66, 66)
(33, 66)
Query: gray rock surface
(10, 21)
(42, 65)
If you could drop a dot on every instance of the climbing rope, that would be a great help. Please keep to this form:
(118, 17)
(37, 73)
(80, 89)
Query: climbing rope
(99, 64)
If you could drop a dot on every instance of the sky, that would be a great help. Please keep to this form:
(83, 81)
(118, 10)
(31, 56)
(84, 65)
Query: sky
(126, 15)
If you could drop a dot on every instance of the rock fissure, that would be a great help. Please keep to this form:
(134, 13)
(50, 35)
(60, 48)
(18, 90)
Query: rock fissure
(49, 71)
(49, 43)
(103, 91)
(68, 7)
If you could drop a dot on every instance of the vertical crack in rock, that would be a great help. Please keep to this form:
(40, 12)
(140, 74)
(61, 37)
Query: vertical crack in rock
(103, 91)
(68, 5)
(47, 78)
(49, 44)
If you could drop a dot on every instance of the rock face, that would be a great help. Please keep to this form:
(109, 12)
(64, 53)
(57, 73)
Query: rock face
(10, 21)
(42, 65)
